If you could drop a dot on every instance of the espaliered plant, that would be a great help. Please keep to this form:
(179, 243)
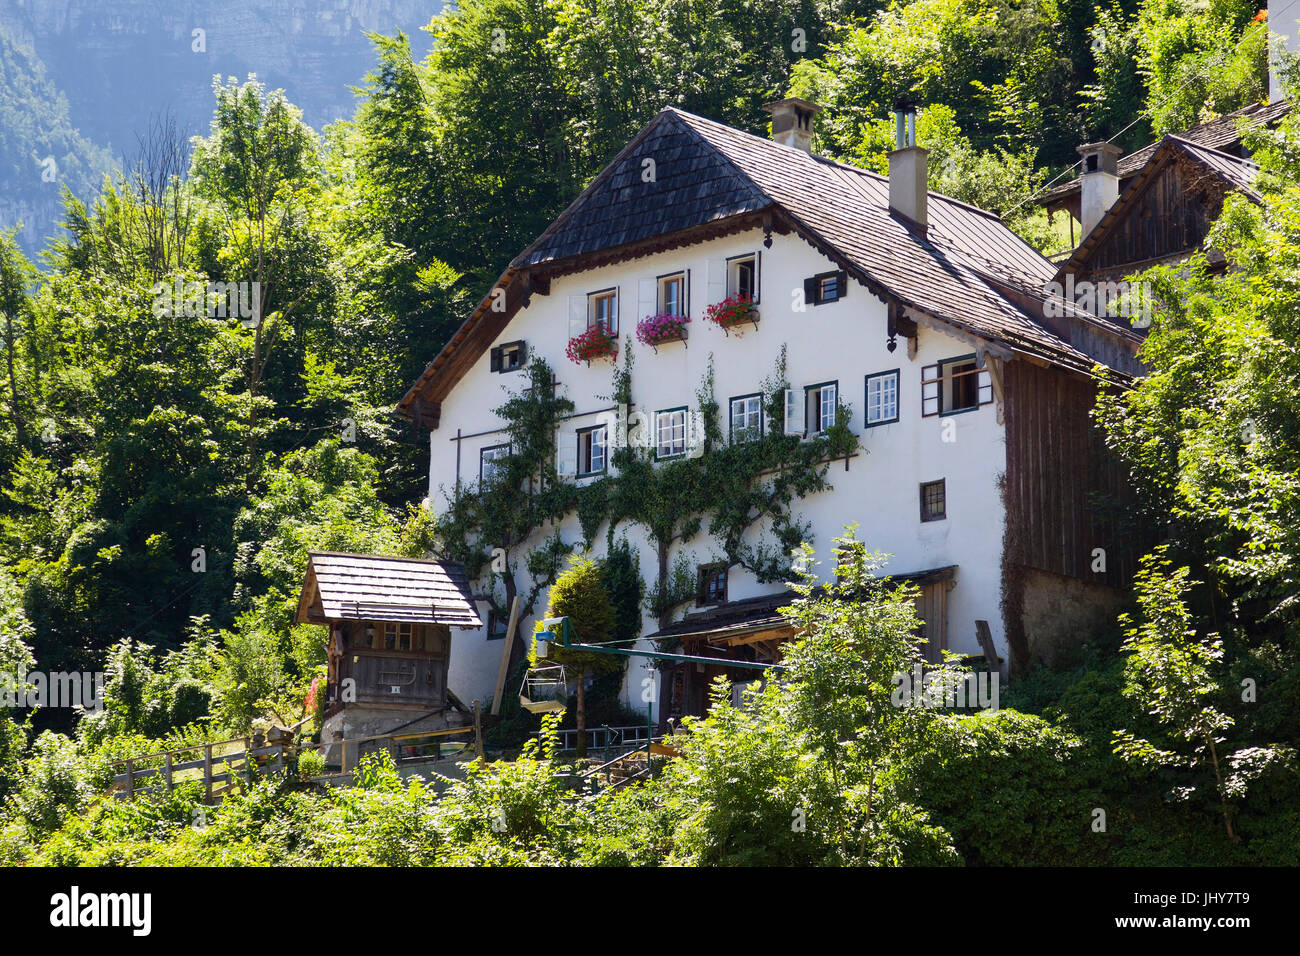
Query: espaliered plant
(727, 492)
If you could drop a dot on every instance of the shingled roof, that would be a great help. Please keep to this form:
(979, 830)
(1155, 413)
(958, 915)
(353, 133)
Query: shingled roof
(1232, 172)
(373, 587)
(1222, 135)
(967, 272)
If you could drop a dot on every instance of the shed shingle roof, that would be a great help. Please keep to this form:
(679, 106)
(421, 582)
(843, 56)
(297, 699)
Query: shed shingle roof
(379, 588)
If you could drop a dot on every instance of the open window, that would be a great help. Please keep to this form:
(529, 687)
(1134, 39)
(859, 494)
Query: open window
(592, 454)
(822, 402)
(742, 276)
(509, 357)
(954, 385)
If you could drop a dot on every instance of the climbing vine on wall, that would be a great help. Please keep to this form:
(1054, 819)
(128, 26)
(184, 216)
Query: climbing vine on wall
(725, 493)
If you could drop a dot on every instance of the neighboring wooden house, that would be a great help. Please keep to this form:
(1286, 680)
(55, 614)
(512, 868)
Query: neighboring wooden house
(1222, 136)
(389, 641)
(978, 468)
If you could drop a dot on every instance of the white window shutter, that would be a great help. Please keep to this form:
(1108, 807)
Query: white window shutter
(566, 458)
(577, 315)
(646, 299)
(617, 317)
(794, 412)
(716, 279)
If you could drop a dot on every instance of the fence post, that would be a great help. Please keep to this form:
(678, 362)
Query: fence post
(130, 780)
(207, 772)
(168, 765)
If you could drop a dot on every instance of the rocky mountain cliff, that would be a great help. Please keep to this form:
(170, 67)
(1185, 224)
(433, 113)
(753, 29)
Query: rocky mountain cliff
(80, 78)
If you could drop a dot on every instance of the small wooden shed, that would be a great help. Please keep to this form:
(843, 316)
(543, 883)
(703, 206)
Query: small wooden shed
(389, 623)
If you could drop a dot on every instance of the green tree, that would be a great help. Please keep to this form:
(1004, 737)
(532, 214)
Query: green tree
(579, 594)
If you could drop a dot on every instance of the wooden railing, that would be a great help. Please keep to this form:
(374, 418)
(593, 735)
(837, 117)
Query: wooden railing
(219, 766)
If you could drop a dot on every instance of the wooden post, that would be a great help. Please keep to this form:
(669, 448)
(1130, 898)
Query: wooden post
(207, 772)
(168, 765)
(505, 656)
(478, 727)
(248, 759)
(986, 642)
(343, 766)
(130, 780)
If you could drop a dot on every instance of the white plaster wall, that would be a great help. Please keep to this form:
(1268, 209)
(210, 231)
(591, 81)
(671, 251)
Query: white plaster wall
(1284, 20)
(842, 341)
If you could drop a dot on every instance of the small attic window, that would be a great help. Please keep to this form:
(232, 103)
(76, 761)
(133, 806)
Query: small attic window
(825, 287)
(509, 357)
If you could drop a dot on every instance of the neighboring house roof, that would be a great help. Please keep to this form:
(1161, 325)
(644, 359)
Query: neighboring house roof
(377, 588)
(729, 623)
(732, 619)
(967, 272)
(1230, 172)
(1221, 134)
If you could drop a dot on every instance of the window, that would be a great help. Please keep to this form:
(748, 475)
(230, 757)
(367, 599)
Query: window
(712, 585)
(497, 624)
(672, 294)
(825, 287)
(602, 309)
(509, 357)
(591, 450)
(746, 418)
(489, 462)
(954, 385)
(670, 433)
(934, 503)
(397, 636)
(882, 398)
(742, 276)
(821, 402)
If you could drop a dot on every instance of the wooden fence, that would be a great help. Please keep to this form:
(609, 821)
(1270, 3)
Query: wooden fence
(220, 764)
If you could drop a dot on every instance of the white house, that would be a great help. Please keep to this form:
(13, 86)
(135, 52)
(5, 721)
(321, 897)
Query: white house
(977, 468)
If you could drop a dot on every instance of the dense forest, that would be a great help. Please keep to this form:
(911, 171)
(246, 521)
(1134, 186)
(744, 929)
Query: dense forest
(164, 470)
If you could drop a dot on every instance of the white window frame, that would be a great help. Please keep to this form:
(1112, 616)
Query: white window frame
(734, 265)
(598, 438)
(667, 420)
(752, 410)
(885, 399)
(818, 406)
(488, 457)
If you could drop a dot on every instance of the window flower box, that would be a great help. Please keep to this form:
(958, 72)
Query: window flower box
(595, 343)
(657, 330)
(731, 312)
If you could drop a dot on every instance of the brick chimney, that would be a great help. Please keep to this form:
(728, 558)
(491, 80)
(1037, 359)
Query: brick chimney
(908, 168)
(792, 122)
(1098, 183)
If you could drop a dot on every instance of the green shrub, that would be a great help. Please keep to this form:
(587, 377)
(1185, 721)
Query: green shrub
(311, 763)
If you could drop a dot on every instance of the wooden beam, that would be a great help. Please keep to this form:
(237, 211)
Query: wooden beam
(504, 664)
